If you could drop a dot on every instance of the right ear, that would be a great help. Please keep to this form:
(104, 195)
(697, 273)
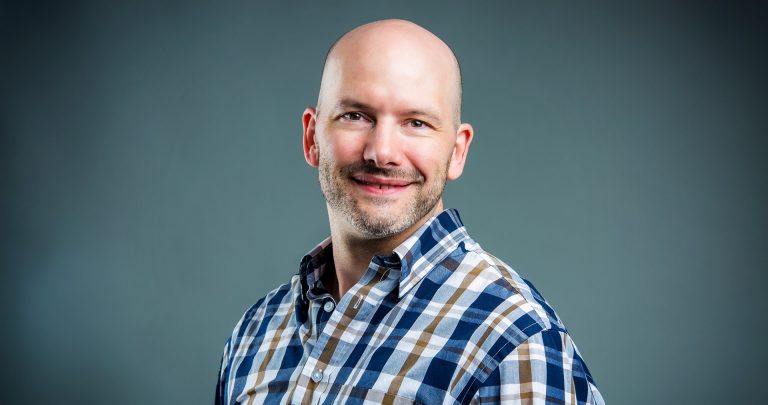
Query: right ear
(308, 121)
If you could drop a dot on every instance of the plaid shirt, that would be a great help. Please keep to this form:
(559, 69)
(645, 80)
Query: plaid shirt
(439, 321)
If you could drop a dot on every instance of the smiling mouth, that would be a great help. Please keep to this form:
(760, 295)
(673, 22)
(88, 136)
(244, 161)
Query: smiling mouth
(380, 186)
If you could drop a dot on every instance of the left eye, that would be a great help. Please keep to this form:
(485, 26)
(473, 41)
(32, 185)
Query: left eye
(418, 124)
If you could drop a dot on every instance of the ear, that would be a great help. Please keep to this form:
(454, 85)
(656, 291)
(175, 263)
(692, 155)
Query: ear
(460, 150)
(308, 121)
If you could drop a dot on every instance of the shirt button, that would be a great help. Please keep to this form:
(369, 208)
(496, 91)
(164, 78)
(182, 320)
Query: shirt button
(328, 306)
(317, 375)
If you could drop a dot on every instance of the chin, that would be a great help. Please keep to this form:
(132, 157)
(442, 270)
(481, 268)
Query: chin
(380, 224)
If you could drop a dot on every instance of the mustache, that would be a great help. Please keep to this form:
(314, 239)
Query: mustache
(370, 168)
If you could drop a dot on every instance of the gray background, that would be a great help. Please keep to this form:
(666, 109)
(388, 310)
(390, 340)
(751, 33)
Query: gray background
(153, 185)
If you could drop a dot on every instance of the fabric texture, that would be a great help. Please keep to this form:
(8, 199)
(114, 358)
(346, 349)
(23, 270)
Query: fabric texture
(440, 321)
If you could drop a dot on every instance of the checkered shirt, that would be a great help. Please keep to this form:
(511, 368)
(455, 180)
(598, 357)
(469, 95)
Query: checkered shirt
(440, 321)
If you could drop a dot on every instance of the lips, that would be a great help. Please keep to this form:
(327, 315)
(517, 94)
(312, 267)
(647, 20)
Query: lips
(380, 185)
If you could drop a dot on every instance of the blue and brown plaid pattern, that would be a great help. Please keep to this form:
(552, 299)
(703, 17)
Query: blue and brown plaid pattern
(440, 321)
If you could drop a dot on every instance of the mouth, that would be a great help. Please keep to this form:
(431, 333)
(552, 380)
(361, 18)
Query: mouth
(380, 185)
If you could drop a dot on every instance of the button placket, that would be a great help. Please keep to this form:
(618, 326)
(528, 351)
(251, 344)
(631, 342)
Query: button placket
(352, 306)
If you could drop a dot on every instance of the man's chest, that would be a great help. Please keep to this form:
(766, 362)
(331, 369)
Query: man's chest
(415, 352)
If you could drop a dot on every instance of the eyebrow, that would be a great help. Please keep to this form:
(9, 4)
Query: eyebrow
(358, 105)
(351, 103)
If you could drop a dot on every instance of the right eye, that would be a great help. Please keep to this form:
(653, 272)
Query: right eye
(353, 116)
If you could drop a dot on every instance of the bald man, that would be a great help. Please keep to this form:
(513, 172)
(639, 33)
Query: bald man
(399, 305)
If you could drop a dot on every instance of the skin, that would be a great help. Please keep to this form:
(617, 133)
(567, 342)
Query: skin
(385, 137)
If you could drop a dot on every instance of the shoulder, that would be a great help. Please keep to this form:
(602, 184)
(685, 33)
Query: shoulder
(533, 355)
(251, 330)
(274, 306)
(497, 282)
(484, 301)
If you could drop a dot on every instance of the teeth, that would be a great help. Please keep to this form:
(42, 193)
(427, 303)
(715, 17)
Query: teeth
(377, 185)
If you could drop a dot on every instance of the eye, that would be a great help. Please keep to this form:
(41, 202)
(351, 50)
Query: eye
(352, 116)
(418, 124)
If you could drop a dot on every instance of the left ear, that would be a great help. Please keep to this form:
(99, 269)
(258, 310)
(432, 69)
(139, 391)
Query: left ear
(460, 150)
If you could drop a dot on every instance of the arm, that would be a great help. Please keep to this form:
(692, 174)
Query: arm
(221, 383)
(544, 369)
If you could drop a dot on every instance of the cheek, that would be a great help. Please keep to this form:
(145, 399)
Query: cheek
(430, 162)
(341, 148)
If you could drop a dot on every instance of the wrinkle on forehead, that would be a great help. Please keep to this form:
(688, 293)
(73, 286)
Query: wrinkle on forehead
(400, 45)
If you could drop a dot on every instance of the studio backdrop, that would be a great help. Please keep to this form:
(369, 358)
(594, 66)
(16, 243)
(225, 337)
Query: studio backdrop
(154, 187)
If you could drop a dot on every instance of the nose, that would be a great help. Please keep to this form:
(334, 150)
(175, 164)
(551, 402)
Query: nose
(383, 146)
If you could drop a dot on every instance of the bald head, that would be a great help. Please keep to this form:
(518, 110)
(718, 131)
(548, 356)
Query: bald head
(393, 49)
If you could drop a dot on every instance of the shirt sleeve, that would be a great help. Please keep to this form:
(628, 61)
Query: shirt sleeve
(545, 369)
(221, 383)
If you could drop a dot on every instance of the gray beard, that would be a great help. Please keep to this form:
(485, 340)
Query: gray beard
(372, 226)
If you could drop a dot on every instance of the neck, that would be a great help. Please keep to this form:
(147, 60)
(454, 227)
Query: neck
(352, 252)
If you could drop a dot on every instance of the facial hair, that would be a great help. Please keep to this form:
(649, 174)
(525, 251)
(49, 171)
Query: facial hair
(337, 187)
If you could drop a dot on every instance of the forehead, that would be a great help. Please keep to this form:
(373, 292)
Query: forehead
(391, 70)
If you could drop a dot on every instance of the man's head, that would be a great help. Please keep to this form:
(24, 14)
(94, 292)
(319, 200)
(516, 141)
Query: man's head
(386, 133)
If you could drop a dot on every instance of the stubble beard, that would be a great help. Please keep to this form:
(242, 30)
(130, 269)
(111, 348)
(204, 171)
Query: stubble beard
(336, 188)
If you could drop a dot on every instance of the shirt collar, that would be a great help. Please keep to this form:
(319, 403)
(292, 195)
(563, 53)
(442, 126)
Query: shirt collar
(416, 256)
(313, 265)
(428, 246)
